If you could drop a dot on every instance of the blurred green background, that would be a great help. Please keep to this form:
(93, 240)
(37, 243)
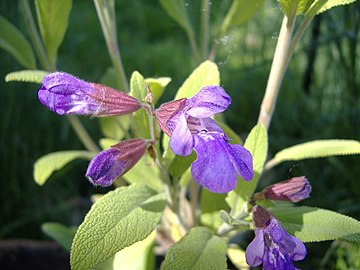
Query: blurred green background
(319, 99)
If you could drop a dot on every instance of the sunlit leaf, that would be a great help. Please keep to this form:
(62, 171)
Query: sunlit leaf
(157, 86)
(46, 165)
(34, 76)
(115, 127)
(60, 233)
(205, 74)
(311, 224)
(316, 149)
(210, 204)
(14, 42)
(53, 19)
(117, 220)
(198, 249)
(237, 257)
(138, 89)
(257, 144)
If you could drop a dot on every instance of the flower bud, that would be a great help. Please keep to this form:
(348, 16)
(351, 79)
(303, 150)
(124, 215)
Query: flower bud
(108, 165)
(166, 111)
(65, 94)
(294, 190)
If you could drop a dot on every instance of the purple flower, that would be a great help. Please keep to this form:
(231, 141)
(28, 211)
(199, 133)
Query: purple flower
(66, 94)
(108, 165)
(188, 123)
(272, 246)
(294, 190)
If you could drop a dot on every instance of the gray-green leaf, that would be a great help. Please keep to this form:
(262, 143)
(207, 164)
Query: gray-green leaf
(138, 89)
(34, 76)
(257, 144)
(52, 162)
(239, 13)
(316, 149)
(311, 224)
(60, 233)
(205, 74)
(117, 220)
(53, 19)
(157, 86)
(14, 42)
(198, 249)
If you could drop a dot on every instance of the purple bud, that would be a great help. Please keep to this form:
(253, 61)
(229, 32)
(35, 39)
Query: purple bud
(108, 165)
(166, 111)
(294, 190)
(65, 94)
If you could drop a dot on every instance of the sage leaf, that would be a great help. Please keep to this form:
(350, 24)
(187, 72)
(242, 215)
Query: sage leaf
(14, 42)
(46, 165)
(53, 19)
(198, 249)
(117, 220)
(311, 224)
(316, 149)
(34, 76)
(60, 233)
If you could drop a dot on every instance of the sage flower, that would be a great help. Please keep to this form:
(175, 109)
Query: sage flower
(108, 165)
(188, 123)
(272, 246)
(65, 94)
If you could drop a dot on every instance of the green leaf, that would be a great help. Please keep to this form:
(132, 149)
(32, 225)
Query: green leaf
(235, 138)
(14, 42)
(211, 204)
(60, 233)
(311, 224)
(312, 7)
(53, 19)
(320, 6)
(198, 249)
(257, 144)
(205, 74)
(240, 12)
(147, 172)
(115, 127)
(50, 163)
(117, 220)
(105, 143)
(157, 86)
(316, 149)
(138, 89)
(176, 9)
(137, 256)
(34, 76)
(180, 164)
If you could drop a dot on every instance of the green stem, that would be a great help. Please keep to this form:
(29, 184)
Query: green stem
(278, 68)
(82, 133)
(194, 48)
(204, 34)
(35, 37)
(194, 200)
(106, 13)
(298, 34)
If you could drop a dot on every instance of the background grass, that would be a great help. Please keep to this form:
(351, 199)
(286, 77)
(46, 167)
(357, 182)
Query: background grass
(319, 99)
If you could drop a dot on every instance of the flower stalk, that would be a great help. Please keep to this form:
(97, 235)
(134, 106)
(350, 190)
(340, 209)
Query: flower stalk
(278, 68)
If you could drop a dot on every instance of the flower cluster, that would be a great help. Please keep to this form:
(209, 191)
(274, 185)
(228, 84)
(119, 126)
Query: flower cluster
(188, 122)
(272, 246)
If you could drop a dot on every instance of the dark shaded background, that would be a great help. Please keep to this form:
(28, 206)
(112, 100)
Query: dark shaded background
(319, 99)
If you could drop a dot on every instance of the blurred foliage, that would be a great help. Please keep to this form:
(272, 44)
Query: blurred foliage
(319, 99)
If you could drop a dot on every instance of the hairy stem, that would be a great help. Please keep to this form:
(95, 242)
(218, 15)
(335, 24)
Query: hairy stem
(278, 68)
(106, 13)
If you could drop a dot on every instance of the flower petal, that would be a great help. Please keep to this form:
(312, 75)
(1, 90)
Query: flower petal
(294, 247)
(105, 167)
(242, 161)
(181, 140)
(208, 101)
(255, 251)
(213, 168)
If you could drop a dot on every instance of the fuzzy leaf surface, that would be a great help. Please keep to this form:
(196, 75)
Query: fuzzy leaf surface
(34, 76)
